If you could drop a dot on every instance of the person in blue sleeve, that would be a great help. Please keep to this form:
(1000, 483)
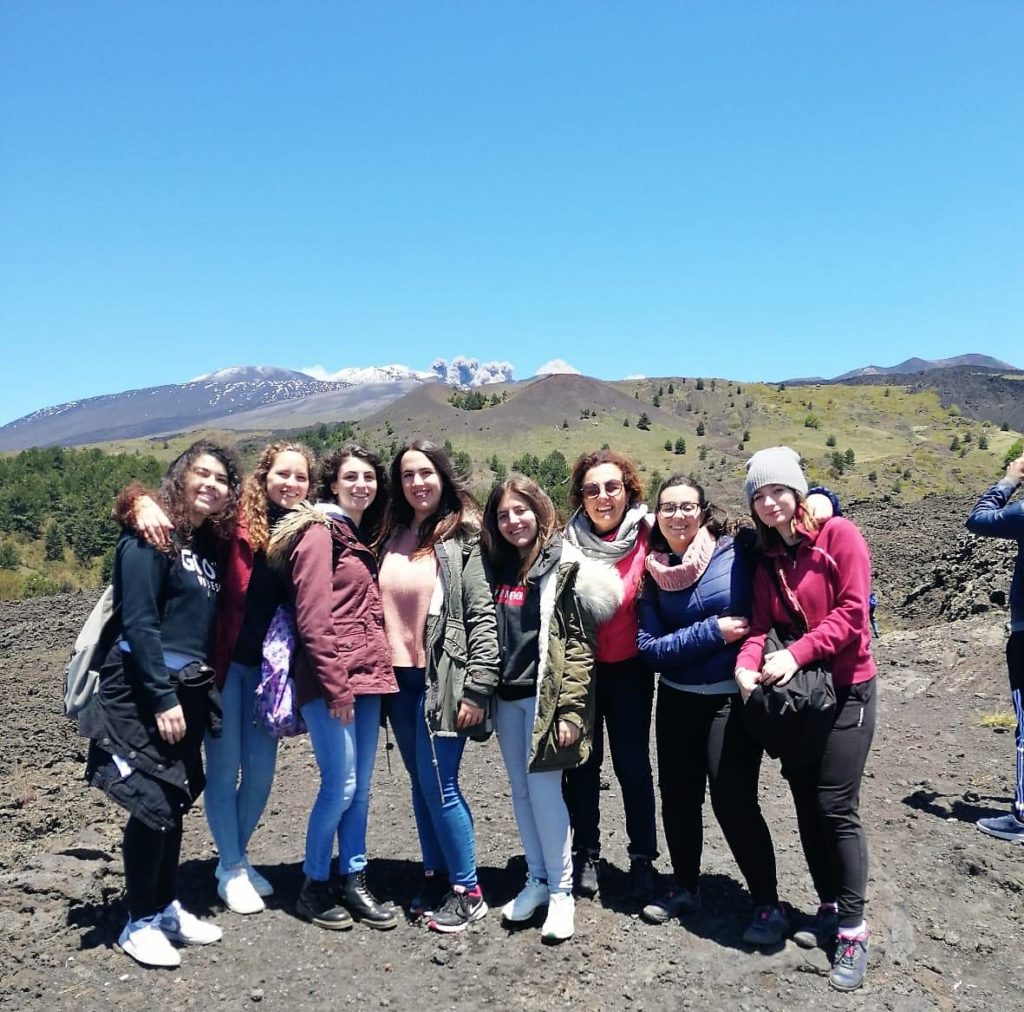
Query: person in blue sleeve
(995, 516)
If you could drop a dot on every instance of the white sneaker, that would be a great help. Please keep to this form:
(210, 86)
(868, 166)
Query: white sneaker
(533, 896)
(181, 926)
(146, 943)
(259, 883)
(560, 922)
(237, 892)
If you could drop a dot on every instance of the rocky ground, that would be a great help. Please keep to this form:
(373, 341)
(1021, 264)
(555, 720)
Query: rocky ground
(945, 901)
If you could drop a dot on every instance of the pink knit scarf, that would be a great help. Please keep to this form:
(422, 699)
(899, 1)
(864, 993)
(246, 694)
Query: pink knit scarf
(695, 560)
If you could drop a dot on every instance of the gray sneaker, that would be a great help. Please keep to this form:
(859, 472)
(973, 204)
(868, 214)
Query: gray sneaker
(850, 964)
(769, 926)
(1005, 827)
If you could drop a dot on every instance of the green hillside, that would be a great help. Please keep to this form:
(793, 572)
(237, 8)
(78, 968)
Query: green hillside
(862, 440)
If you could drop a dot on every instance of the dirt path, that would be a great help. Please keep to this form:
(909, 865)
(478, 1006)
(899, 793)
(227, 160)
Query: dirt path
(945, 901)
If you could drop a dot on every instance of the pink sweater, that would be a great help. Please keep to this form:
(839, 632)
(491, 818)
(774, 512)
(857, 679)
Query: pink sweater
(406, 586)
(829, 581)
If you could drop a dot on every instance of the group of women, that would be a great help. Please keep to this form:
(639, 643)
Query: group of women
(411, 607)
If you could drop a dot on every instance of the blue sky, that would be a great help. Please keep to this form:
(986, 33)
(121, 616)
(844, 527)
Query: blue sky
(744, 189)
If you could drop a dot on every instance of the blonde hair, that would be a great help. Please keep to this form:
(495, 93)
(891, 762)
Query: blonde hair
(254, 495)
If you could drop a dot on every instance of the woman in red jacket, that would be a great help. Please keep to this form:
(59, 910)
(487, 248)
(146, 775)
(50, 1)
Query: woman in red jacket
(813, 589)
(341, 671)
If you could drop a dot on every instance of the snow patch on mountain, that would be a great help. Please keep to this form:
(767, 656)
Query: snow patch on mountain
(361, 376)
(558, 367)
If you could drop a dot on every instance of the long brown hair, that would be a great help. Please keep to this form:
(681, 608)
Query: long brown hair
(171, 495)
(499, 551)
(457, 512)
(254, 497)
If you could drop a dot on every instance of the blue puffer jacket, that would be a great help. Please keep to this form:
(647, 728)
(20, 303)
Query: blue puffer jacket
(993, 518)
(679, 635)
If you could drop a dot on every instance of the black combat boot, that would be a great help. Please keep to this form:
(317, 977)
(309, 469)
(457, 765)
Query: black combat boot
(316, 904)
(355, 895)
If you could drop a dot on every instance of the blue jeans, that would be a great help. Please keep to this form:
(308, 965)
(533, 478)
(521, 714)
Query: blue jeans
(540, 811)
(443, 820)
(239, 768)
(352, 829)
(334, 746)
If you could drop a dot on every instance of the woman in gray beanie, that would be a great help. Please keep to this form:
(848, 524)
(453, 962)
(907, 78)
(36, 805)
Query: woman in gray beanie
(813, 587)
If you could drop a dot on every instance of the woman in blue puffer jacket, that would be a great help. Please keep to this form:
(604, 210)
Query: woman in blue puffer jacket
(693, 613)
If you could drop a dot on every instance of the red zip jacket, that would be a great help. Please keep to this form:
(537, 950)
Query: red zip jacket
(234, 586)
(828, 581)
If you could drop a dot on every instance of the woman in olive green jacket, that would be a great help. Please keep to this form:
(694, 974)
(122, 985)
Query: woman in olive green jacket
(439, 620)
(548, 600)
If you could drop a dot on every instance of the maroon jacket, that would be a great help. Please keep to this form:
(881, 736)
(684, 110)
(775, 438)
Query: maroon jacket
(332, 579)
(828, 582)
(231, 600)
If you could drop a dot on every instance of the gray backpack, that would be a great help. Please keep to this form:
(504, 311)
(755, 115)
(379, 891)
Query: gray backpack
(82, 675)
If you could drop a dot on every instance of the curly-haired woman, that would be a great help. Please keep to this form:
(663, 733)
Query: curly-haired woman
(240, 763)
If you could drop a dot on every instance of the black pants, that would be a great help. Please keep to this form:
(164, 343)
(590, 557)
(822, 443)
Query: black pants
(702, 740)
(1015, 668)
(624, 694)
(827, 799)
(150, 867)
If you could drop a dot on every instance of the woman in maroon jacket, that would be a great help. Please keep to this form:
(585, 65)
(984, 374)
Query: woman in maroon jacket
(341, 671)
(813, 589)
(240, 763)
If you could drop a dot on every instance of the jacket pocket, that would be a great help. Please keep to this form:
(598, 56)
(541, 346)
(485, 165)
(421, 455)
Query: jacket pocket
(351, 635)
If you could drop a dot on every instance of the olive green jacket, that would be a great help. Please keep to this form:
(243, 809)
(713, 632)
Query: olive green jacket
(574, 597)
(461, 640)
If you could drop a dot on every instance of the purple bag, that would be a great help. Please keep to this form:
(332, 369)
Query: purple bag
(276, 711)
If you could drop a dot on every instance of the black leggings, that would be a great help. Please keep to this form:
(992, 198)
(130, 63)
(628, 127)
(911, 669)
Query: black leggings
(702, 740)
(150, 867)
(827, 799)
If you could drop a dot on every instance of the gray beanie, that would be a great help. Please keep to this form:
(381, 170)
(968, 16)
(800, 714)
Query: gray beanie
(778, 465)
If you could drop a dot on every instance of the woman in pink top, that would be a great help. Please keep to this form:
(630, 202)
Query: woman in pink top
(813, 589)
(611, 525)
(439, 618)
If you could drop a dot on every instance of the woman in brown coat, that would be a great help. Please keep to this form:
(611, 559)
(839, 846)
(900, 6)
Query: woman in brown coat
(342, 669)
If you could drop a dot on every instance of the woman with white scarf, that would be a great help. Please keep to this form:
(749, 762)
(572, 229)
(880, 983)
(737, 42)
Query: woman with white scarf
(610, 525)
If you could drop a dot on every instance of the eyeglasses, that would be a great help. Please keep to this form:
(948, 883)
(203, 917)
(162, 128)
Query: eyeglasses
(612, 489)
(670, 509)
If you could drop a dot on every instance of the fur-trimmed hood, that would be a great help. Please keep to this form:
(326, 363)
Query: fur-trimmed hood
(598, 587)
(290, 528)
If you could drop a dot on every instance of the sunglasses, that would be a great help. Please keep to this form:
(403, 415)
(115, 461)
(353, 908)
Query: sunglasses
(592, 489)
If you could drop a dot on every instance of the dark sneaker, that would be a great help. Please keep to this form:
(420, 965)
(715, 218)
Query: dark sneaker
(850, 963)
(675, 903)
(769, 926)
(587, 883)
(1005, 827)
(641, 878)
(431, 895)
(820, 930)
(460, 909)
